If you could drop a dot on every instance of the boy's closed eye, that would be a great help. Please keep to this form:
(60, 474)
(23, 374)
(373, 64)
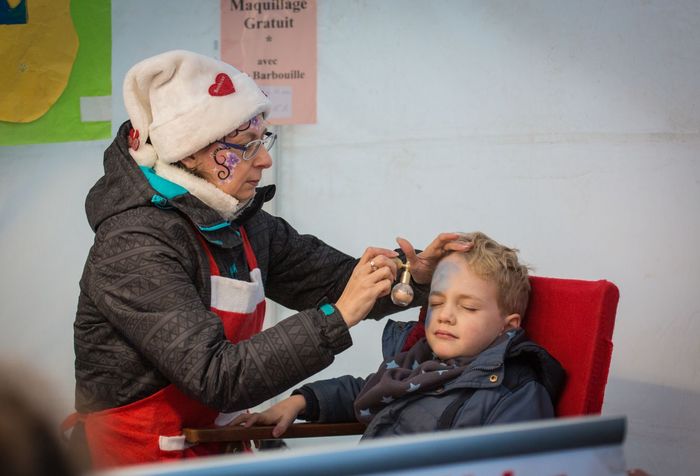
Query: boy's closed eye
(469, 308)
(436, 301)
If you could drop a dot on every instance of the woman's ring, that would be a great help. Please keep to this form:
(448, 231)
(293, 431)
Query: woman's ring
(372, 265)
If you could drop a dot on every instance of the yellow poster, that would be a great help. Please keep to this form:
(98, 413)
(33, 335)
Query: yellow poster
(55, 71)
(36, 58)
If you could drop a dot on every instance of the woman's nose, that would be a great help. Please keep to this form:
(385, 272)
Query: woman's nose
(262, 159)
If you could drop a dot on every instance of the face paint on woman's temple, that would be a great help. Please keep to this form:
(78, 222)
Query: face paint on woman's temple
(229, 160)
(257, 124)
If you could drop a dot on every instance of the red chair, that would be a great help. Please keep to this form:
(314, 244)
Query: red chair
(573, 319)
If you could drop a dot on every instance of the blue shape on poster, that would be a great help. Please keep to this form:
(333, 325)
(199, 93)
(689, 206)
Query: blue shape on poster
(13, 16)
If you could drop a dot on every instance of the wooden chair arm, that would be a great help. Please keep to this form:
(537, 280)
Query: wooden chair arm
(296, 430)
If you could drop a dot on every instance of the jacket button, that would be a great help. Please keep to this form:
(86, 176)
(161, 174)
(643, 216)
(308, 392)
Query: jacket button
(493, 378)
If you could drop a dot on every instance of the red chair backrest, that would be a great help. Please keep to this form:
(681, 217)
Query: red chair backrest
(574, 320)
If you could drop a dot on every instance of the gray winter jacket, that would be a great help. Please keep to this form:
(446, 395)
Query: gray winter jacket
(143, 318)
(511, 382)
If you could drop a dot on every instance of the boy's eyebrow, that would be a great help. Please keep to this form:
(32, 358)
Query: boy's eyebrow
(461, 296)
(470, 297)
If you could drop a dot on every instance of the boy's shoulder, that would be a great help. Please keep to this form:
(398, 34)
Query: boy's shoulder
(527, 361)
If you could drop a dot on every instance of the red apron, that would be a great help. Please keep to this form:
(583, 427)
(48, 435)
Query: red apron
(149, 430)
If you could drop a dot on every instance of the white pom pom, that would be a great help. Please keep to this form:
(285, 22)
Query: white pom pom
(145, 156)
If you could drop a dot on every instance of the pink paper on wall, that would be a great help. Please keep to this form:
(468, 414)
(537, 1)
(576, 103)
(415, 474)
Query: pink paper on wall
(274, 42)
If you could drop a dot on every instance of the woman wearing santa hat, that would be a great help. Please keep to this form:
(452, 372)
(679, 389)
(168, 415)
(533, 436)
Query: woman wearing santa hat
(168, 331)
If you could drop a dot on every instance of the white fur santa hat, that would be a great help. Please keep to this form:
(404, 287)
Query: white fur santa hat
(185, 101)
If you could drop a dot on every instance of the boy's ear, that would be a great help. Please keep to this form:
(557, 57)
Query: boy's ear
(511, 321)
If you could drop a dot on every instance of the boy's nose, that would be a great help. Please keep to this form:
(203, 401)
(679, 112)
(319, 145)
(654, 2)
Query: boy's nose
(446, 315)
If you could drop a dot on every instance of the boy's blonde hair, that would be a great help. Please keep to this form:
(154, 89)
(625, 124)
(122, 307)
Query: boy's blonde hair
(499, 264)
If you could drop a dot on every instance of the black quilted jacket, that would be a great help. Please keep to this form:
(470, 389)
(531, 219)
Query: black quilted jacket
(143, 320)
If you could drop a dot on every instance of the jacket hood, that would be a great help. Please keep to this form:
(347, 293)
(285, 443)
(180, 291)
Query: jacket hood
(126, 185)
(122, 187)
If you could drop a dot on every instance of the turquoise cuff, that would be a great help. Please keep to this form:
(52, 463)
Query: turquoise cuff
(327, 309)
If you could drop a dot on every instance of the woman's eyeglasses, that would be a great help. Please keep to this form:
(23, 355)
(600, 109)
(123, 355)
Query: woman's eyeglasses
(251, 149)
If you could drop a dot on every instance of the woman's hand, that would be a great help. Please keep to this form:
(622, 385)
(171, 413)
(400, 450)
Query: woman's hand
(423, 264)
(281, 415)
(371, 279)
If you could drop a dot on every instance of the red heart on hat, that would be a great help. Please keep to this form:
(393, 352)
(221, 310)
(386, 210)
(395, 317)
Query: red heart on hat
(223, 86)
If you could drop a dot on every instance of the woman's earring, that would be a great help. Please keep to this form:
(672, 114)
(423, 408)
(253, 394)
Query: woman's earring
(402, 292)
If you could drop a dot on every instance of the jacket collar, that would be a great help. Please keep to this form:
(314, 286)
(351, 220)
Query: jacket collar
(491, 360)
(208, 221)
(516, 346)
(215, 214)
(495, 355)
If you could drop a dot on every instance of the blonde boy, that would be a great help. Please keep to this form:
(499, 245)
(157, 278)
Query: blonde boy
(475, 365)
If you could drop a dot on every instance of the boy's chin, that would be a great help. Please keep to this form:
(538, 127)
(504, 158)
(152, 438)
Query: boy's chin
(444, 351)
(444, 354)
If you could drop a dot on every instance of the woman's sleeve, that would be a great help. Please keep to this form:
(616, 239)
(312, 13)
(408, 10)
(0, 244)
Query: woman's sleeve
(145, 289)
(305, 272)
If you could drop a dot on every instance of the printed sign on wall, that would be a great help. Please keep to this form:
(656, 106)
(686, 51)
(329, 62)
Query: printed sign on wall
(274, 42)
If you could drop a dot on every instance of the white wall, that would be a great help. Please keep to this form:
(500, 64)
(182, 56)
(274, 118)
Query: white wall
(568, 129)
